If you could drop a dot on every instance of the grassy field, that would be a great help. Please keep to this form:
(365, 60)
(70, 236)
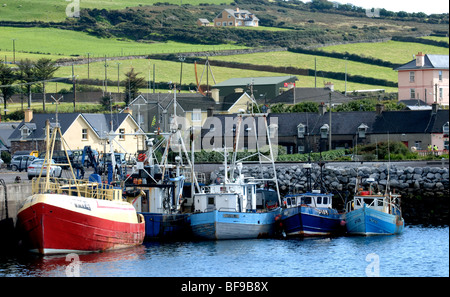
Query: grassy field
(55, 10)
(288, 59)
(64, 42)
(166, 71)
(393, 51)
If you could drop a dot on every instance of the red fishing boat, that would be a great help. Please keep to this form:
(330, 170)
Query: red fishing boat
(70, 215)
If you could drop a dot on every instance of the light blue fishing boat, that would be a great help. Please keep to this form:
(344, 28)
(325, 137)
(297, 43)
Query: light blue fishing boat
(374, 214)
(233, 208)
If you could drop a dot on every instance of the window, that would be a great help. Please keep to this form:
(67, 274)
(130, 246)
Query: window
(230, 23)
(122, 134)
(441, 93)
(306, 200)
(25, 132)
(413, 93)
(301, 131)
(325, 200)
(411, 76)
(84, 134)
(196, 115)
(210, 200)
(218, 23)
(440, 75)
(319, 200)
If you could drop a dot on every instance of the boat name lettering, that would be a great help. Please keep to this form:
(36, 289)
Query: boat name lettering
(234, 216)
(322, 211)
(82, 204)
(373, 220)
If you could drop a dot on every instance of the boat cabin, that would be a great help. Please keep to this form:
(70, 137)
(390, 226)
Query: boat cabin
(318, 200)
(227, 197)
(377, 202)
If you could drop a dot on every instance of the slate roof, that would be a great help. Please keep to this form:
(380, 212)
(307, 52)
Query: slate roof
(309, 95)
(99, 122)
(347, 123)
(430, 62)
(410, 121)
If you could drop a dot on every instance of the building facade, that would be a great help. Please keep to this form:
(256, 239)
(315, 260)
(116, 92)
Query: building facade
(425, 78)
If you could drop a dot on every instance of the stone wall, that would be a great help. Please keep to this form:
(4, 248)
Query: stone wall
(424, 190)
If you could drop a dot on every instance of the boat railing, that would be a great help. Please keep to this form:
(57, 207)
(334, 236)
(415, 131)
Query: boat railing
(378, 203)
(71, 187)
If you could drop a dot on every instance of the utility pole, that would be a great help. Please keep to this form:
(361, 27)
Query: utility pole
(118, 80)
(74, 86)
(345, 58)
(14, 51)
(329, 131)
(106, 78)
(315, 72)
(88, 62)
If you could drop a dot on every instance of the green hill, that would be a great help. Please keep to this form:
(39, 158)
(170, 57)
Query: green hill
(116, 28)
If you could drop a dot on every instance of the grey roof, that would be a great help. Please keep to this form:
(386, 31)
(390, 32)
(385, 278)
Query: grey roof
(347, 123)
(38, 125)
(309, 95)
(241, 14)
(269, 80)
(430, 62)
(99, 122)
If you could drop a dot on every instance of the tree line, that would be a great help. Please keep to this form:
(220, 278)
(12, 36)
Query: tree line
(29, 74)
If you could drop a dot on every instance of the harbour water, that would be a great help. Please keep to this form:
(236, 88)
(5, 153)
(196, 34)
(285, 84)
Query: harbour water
(418, 252)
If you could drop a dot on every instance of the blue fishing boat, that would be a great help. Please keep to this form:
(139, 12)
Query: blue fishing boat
(311, 213)
(234, 211)
(233, 208)
(372, 213)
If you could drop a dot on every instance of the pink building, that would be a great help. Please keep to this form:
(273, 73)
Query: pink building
(425, 78)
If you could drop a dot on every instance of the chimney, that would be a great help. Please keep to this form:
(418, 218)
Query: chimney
(434, 108)
(379, 108)
(329, 85)
(210, 111)
(28, 115)
(215, 95)
(322, 108)
(420, 59)
(128, 110)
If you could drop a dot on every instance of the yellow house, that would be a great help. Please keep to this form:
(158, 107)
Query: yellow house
(80, 130)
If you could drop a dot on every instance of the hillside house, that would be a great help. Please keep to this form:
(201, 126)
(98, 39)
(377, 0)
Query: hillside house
(237, 18)
(78, 130)
(425, 78)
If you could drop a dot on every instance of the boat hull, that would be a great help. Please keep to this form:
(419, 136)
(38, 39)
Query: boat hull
(55, 223)
(218, 225)
(166, 226)
(367, 221)
(310, 221)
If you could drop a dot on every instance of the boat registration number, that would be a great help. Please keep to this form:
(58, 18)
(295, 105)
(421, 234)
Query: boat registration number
(233, 216)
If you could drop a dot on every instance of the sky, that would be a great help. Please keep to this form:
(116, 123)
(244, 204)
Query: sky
(426, 6)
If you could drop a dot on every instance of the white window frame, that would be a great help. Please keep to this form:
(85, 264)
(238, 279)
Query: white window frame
(84, 134)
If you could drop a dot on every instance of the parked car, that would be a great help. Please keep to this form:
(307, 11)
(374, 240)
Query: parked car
(34, 169)
(60, 157)
(21, 162)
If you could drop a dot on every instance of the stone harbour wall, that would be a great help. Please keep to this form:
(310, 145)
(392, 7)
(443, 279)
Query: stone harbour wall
(424, 190)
